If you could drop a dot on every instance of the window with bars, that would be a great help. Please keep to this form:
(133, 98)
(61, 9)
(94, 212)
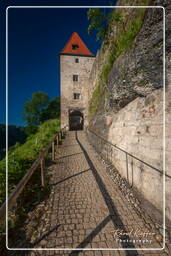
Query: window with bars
(77, 96)
(75, 78)
(76, 60)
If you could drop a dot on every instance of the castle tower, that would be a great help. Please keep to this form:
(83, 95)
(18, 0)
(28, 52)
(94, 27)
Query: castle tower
(75, 65)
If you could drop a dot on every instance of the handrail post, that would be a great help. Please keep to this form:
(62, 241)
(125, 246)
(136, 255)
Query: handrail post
(127, 167)
(57, 141)
(42, 172)
(132, 172)
(59, 136)
(53, 150)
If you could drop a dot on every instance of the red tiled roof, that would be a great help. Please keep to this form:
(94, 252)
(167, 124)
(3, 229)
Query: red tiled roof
(76, 42)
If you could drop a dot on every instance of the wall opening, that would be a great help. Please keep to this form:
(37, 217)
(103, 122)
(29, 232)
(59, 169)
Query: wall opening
(76, 120)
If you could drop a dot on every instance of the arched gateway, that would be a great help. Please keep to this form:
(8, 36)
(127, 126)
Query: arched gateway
(76, 120)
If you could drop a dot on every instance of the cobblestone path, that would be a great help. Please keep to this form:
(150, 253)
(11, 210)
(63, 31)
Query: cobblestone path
(86, 209)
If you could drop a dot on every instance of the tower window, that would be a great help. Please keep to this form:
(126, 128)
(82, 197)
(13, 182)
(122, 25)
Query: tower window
(76, 96)
(75, 46)
(75, 78)
(76, 60)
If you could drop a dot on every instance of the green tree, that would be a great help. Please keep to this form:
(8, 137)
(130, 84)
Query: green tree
(52, 111)
(34, 107)
(101, 22)
(98, 22)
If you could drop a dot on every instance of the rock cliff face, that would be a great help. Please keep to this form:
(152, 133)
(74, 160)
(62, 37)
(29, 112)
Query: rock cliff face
(140, 70)
(130, 112)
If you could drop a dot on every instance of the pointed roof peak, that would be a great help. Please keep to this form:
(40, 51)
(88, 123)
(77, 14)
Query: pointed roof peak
(76, 46)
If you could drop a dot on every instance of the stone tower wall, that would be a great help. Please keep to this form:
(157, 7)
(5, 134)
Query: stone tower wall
(68, 68)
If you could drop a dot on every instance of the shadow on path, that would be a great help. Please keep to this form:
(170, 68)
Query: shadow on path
(114, 216)
(71, 145)
(45, 235)
(69, 155)
(54, 184)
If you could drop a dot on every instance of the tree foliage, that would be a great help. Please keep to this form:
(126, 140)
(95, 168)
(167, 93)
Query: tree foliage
(39, 109)
(101, 22)
(34, 107)
(52, 111)
(98, 22)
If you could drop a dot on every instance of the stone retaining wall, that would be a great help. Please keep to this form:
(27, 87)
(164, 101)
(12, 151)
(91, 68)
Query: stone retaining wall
(138, 129)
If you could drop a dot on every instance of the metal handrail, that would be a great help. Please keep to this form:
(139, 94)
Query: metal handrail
(38, 162)
(127, 153)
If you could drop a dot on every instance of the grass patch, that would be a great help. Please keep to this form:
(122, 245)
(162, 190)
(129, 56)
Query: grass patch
(126, 38)
(93, 104)
(21, 157)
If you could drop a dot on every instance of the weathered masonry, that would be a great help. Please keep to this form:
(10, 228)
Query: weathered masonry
(76, 62)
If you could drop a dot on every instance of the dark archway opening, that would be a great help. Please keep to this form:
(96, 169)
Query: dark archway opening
(76, 121)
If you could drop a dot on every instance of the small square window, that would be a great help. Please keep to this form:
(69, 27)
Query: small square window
(76, 60)
(75, 46)
(75, 78)
(76, 96)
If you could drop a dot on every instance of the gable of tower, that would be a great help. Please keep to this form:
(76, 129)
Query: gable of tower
(75, 46)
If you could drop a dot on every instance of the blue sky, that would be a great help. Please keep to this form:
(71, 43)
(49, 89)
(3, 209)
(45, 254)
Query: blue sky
(36, 36)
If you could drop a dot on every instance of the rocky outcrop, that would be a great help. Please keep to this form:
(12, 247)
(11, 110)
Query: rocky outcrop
(139, 70)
